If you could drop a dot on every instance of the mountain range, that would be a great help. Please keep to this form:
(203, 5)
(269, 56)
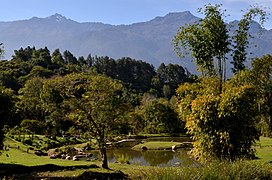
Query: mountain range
(150, 41)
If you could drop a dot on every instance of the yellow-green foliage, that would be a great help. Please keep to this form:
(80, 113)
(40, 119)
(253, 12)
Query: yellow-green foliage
(222, 124)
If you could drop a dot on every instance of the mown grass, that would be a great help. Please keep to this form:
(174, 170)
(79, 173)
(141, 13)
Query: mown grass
(264, 149)
(24, 156)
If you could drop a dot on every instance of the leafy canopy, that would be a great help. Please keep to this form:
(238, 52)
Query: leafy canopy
(222, 124)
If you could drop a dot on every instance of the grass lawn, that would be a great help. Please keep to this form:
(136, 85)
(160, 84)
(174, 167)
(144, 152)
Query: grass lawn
(15, 156)
(264, 149)
(20, 156)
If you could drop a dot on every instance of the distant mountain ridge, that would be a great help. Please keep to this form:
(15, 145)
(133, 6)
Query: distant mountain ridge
(150, 41)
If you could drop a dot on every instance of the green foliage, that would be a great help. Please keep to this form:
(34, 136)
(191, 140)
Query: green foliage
(167, 79)
(6, 110)
(105, 65)
(240, 39)
(93, 103)
(57, 58)
(33, 126)
(69, 57)
(23, 54)
(222, 124)
(208, 41)
(30, 105)
(262, 81)
(158, 117)
(155, 116)
(41, 57)
(135, 74)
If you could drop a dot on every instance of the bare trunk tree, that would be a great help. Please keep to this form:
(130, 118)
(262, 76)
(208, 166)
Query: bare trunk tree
(104, 158)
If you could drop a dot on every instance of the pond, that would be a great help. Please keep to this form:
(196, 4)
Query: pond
(167, 139)
(150, 157)
(165, 158)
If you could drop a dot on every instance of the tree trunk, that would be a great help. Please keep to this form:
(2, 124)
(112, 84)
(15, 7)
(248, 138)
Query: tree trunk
(104, 158)
(220, 74)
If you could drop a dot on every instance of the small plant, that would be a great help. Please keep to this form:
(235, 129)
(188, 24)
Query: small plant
(123, 159)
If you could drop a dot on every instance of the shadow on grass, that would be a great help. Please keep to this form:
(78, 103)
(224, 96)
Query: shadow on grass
(9, 169)
(28, 172)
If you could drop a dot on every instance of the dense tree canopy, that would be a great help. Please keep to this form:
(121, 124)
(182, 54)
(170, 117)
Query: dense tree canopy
(262, 80)
(6, 110)
(222, 124)
(167, 79)
(95, 103)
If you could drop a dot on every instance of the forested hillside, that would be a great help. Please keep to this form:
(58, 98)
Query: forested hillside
(31, 71)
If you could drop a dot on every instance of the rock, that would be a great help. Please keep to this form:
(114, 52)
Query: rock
(55, 156)
(174, 147)
(81, 153)
(108, 143)
(63, 156)
(68, 157)
(75, 158)
(40, 153)
(144, 148)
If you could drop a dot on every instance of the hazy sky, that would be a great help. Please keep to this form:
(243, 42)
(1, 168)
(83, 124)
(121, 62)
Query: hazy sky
(118, 11)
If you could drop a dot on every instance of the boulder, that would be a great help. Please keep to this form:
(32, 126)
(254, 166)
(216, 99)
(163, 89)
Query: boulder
(75, 158)
(174, 147)
(68, 157)
(40, 153)
(63, 156)
(55, 156)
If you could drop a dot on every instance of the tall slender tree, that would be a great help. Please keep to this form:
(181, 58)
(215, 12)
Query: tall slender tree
(208, 41)
(242, 35)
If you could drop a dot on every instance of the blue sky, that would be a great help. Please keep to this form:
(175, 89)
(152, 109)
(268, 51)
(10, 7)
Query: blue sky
(119, 11)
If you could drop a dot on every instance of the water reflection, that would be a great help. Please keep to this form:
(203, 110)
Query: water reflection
(155, 158)
(168, 139)
(150, 157)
